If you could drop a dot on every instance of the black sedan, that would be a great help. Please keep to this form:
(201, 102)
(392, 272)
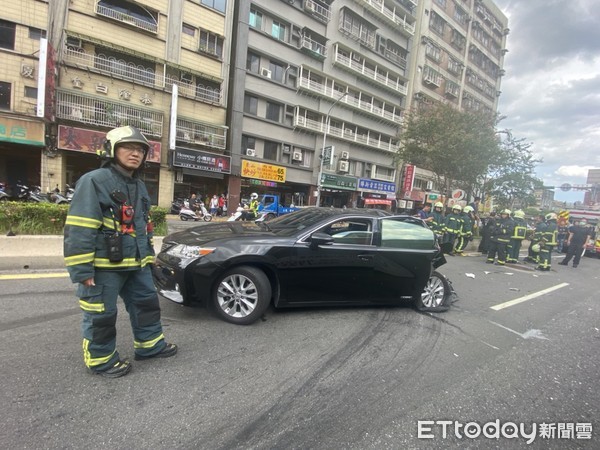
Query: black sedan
(315, 256)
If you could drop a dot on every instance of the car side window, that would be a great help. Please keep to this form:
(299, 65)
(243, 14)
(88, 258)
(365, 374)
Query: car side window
(401, 234)
(350, 231)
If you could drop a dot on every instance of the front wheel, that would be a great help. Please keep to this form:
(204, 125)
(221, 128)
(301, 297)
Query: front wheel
(435, 295)
(207, 217)
(241, 295)
(182, 217)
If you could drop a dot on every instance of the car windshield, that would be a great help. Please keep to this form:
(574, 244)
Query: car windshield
(290, 224)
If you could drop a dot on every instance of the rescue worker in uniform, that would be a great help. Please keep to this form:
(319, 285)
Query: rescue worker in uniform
(519, 232)
(466, 234)
(437, 221)
(540, 227)
(500, 237)
(578, 237)
(252, 212)
(452, 229)
(108, 251)
(547, 243)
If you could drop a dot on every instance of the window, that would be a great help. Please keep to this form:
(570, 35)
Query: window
(256, 19)
(36, 33)
(273, 111)
(5, 90)
(400, 234)
(276, 71)
(437, 24)
(253, 62)
(356, 231)
(219, 5)
(7, 34)
(270, 151)
(433, 51)
(211, 43)
(248, 142)
(188, 29)
(250, 104)
(278, 31)
(454, 66)
(442, 3)
(31, 92)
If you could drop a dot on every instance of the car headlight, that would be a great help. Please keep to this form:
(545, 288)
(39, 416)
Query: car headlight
(189, 253)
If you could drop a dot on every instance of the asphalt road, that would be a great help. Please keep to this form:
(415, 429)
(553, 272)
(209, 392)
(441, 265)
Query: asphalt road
(351, 378)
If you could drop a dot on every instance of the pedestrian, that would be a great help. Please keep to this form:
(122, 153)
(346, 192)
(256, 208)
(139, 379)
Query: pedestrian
(452, 229)
(425, 213)
(578, 236)
(519, 233)
(486, 232)
(547, 243)
(108, 251)
(466, 233)
(499, 238)
(214, 205)
(222, 208)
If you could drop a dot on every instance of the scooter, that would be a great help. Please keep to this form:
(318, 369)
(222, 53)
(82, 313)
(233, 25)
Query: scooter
(69, 193)
(3, 194)
(56, 197)
(186, 213)
(237, 215)
(36, 196)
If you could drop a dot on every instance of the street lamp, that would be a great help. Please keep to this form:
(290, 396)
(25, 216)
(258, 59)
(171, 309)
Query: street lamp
(319, 180)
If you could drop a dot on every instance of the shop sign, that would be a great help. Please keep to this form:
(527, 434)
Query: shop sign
(90, 141)
(270, 184)
(415, 195)
(21, 131)
(339, 182)
(409, 176)
(193, 159)
(367, 185)
(270, 172)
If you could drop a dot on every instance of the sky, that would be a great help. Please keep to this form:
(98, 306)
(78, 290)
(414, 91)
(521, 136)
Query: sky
(551, 90)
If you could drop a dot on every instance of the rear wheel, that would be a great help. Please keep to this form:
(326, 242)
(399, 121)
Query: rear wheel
(182, 217)
(242, 295)
(435, 295)
(207, 217)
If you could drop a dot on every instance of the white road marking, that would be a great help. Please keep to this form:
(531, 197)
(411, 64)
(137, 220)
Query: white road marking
(525, 298)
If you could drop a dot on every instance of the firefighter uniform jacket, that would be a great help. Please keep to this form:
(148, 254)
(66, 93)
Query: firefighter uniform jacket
(454, 224)
(438, 223)
(95, 214)
(467, 228)
(502, 230)
(550, 234)
(520, 229)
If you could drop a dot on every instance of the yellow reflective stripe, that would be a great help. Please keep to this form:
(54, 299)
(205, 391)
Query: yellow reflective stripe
(147, 260)
(85, 222)
(91, 307)
(79, 259)
(87, 357)
(108, 223)
(148, 344)
(127, 262)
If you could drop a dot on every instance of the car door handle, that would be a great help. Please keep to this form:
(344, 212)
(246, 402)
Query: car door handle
(365, 257)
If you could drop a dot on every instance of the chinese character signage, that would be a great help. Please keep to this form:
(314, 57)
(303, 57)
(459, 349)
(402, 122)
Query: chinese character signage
(269, 172)
(89, 141)
(21, 131)
(339, 182)
(409, 176)
(193, 159)
(367, 185)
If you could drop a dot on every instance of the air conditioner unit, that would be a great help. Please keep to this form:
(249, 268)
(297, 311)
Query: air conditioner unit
(344, 166)
(345, 155)
(297, 156)
(250, 152)
(265, 72)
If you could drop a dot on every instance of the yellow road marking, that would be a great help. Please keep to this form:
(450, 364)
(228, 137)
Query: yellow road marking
(516, 301)
(27, 276)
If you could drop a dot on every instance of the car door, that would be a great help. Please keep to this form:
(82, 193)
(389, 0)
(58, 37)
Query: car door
(403, 259)
(335, 273)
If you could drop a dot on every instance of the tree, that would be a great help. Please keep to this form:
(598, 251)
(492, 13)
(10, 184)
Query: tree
(457, 146)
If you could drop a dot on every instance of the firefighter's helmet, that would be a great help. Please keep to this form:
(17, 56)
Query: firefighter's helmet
(519, 214)
(536, 248)
(468, 209)
(439, 205)
(122, 135)
(551, 216)
(253, 196)
(505, 211)
(457, 208)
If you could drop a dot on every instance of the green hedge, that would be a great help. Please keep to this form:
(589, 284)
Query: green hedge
(49, 218)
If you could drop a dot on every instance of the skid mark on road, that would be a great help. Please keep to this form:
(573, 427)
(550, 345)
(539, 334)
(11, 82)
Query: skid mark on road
(528, 297)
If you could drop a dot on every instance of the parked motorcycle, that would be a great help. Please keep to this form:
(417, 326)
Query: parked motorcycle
(186, 213)
(176, 206)
(21, 192)
(3, 194)
(56, 197)
(69, 192)
(36, 196)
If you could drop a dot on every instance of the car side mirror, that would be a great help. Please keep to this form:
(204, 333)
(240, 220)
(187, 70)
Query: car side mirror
(319, 238)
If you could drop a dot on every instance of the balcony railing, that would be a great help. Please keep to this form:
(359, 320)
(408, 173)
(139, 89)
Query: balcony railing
(391, 15)
(105, 11)
(146, 76)
(346, 134)
(200, 133)
(349, 100)
(320, 12)
(383, 79)
(105, 113)
(314, 48)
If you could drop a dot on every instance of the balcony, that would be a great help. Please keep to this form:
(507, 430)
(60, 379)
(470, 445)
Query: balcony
(346, 134)
(320, 13)
(313, 48)
(199, 133)
(100, 112)
(121, 69)
(150, 24)
(389, 81)
(391, 15)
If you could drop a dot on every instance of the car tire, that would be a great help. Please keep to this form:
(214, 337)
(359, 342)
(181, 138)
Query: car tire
(241, 295)
(435, 296)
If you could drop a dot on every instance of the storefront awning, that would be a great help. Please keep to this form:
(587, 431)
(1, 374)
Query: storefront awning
(377, 201)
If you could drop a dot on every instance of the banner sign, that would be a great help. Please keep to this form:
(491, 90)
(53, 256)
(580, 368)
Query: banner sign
(89, 141)
(21, 131)
(193, 159)
(409, 176)
(339, 182)
(368, 185)
(269, 172)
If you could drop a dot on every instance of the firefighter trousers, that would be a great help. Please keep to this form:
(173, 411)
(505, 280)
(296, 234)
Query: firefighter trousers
(99, 305)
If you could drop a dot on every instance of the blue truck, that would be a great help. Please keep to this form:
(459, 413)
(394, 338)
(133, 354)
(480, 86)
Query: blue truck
(271, 207)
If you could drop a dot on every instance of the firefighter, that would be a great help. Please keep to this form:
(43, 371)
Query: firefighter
(466, 234)
(109, 251)
(500, 237)
(519, 233)
(452, 229)
(547, 243)
(437, 222)
(540, 227)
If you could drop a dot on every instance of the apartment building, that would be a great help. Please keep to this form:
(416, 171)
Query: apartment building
(159, 65)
